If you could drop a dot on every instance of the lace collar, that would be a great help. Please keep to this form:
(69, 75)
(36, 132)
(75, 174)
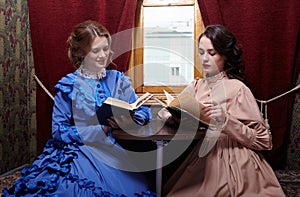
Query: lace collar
(211, 81)
(91, 75)
(216, 77)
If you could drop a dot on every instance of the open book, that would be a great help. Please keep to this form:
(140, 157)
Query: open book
(184, 106)
(115, 107)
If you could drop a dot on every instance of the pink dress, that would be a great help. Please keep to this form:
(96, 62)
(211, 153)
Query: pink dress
(233, 166)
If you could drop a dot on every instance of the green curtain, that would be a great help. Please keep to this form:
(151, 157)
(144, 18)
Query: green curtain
(17, 87)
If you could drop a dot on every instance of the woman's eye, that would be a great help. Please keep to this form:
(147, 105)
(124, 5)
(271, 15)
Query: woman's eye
(212, 53)
(95, 50)
(201, 52)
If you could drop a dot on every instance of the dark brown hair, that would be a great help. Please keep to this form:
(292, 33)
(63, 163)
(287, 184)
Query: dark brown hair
(80, 40)
(224, 42)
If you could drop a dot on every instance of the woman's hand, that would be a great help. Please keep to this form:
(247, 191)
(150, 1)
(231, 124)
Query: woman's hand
(166, 117)
(214, 111)
(113, 122)
(105, 128)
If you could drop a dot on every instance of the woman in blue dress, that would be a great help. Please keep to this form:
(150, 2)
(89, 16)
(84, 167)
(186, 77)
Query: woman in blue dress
(82, 158)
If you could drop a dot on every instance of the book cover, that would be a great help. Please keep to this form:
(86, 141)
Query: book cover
(184, 106)
(115, 107)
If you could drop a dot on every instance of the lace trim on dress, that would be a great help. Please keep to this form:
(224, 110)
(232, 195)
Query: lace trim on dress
(91, 75)
(211, 81)
(216, 77)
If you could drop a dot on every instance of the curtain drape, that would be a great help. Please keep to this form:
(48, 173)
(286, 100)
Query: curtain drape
(17, 87)
(268, 32)
(293, 153)
(51, 23)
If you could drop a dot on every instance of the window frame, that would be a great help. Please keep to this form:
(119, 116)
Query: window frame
(135, 70)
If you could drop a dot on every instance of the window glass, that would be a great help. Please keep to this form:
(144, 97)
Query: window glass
(168, 45)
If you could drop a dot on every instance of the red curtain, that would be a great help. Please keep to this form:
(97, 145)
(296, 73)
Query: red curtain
(267, 30)
(51, 22)
(269, 34)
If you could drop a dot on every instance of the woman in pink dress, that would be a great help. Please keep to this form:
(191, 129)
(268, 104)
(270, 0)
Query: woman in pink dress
(227, 161)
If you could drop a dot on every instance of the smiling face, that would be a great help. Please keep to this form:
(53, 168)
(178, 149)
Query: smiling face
(212, 62)
(96, 58)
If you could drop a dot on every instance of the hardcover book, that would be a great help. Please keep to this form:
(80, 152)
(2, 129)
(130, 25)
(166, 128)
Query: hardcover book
(115, 107)
(184, 106)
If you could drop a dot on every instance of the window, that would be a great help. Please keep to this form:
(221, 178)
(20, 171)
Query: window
(175, 71)
(165, 45)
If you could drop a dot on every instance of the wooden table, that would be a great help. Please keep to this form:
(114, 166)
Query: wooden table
(161, 135)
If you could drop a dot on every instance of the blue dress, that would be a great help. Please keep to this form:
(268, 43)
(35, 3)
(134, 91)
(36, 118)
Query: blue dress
(80, 159)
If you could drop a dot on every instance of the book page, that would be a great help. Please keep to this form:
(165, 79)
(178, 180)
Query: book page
(123, 104)
(161, 102)
(141, 100)
(118, 103)
(189, 104)
(169, 97)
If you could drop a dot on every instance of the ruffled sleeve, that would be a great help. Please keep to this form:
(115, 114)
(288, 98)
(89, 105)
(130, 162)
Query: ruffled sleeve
(65, 84)
(69, 102)
(62, 120)
(244, 122)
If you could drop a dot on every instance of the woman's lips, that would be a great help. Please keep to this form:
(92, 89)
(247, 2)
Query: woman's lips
(101, 61)
(205, 65)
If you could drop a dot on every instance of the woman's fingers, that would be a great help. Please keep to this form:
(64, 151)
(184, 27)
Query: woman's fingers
(113, 122)
(214, 111)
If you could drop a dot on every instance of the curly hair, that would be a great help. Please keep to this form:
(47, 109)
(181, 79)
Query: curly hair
(81, 38)
(224, 42)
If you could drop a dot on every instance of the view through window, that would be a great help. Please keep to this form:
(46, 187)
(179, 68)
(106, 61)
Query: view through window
(168, 45)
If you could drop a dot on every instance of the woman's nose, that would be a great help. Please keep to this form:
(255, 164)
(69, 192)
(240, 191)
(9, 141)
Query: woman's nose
(101, 54)
(204, 57)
